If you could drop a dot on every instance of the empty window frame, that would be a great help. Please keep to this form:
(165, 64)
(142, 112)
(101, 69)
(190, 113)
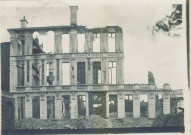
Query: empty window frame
(158, 105)
(96, 72)
(36, 107)
(144, 105)
(81, 73)
(113, 105)
(65, 43)
(65, 73)
(50, 73)
(81, 42)
(129, 105)
(81, 105)
(66, 107)
(50, 107)
(96, 43)
(35, 74)
(20, 73)
(112, 72)
(21, 107)
(111, 42)
(43, 42)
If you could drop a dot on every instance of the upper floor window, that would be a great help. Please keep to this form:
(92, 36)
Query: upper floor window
(96, 72)
(111, 42)
(81, 73)
(112, 72)
(96, 43)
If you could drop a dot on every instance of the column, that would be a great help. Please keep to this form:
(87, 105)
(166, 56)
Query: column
(103, 42)
(28, 106)
(107, 105)
(104, 69)
(55, 72)
(87, 104)
(40, 72)
(43, 106)
(136, 105)
(166, 103)
(57, 42)
(13, 76)
(58, 106)
(16, 107)
(73, 41)
(151, 105)
(60, 72)
(30, 72)
(89, 42)
(120, 71)
(118, 42)
(74, 106)
(45, 73)
(73, 71)
(121, 105)
(28, 44)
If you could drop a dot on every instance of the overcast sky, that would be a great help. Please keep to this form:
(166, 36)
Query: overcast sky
(162, 55)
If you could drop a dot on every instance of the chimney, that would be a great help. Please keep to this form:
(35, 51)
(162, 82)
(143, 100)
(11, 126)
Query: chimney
(24, 23)
(73, 15)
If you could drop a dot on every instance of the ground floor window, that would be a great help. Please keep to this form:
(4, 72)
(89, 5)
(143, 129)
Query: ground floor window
(50, 107)
(129, 105)
(36, 107)
(21, 107)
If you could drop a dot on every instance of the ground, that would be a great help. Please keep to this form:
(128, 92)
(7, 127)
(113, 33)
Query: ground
(93, 121)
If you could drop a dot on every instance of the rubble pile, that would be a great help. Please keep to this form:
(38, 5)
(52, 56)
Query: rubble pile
(169, 120)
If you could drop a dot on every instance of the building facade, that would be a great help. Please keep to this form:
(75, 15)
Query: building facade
(74, 82)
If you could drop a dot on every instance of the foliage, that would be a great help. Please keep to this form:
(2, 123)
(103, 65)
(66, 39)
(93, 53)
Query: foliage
(169, 120)
(170, 25)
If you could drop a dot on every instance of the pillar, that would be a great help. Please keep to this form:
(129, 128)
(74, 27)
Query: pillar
(58, 106)
(40, 71)
(105, 74)
(166, 103)
(88, 42)
(74, 106)
(16, 107)
(73, 72)
(107, 105)
(87, 104)
(30, 72)
(121, 105)
(73, 41)
(136, 105)
(103, 42)
(43, 106)
(118, 42)
(151, 105)
(28, 44)
(13, 76)
(57, 42)
(28, 106)
(120, 71)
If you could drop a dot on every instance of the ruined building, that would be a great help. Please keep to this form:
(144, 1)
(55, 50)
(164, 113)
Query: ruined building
(80, 73)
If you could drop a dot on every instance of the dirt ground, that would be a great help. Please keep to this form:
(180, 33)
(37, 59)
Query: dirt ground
(93, 121)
